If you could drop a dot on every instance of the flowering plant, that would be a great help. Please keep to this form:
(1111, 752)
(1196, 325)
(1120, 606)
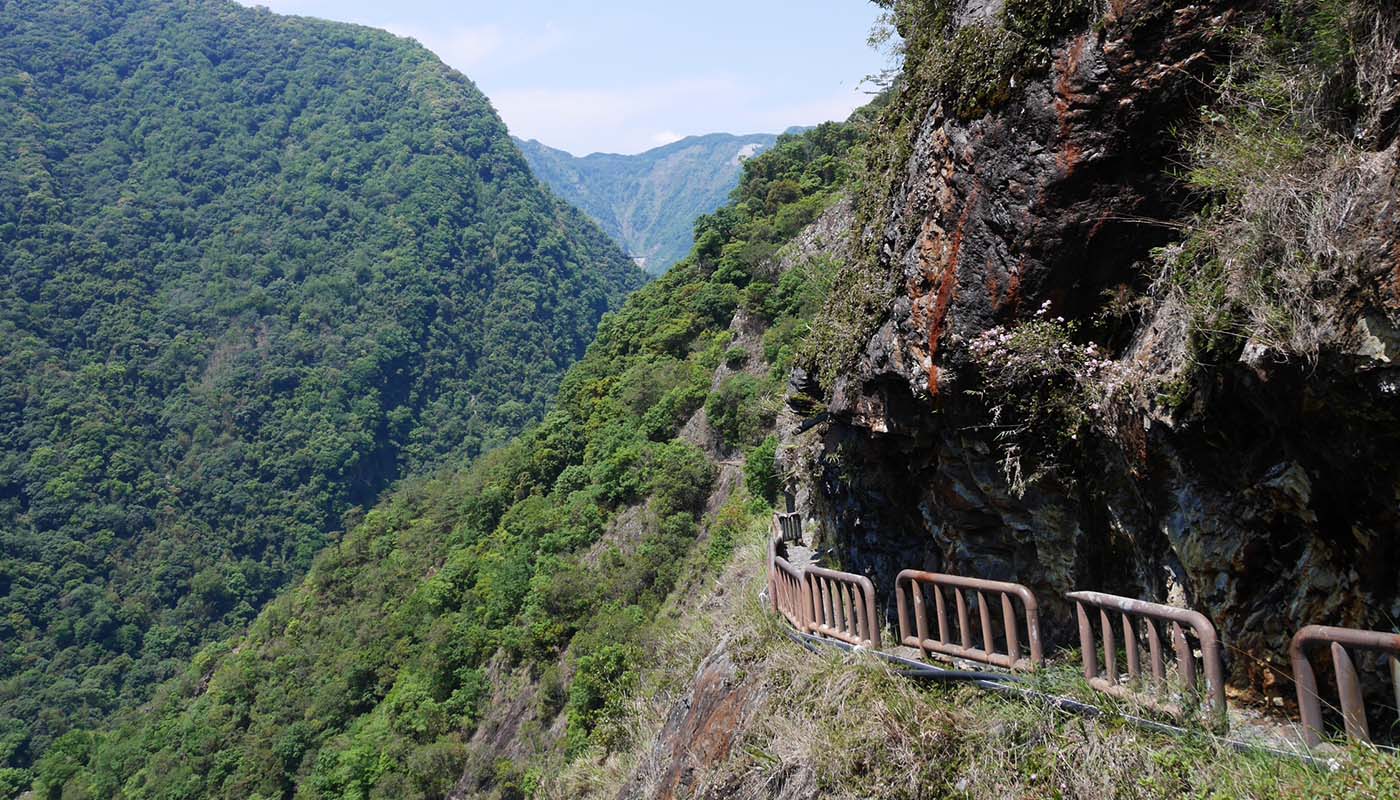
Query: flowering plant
(1045, 390)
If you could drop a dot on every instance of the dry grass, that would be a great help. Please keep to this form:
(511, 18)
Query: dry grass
(844, 726)
(848, 728)
(1289, 151)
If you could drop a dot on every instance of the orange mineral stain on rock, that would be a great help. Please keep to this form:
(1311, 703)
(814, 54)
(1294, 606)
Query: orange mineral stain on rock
(1395, 285)
(945, 278)
(1012, 299)
(701, 737)
(1070, 154)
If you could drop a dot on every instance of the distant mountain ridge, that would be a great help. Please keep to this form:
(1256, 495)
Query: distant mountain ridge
(649, 201)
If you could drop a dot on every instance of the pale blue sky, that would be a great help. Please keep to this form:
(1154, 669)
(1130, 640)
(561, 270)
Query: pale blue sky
(623, 76)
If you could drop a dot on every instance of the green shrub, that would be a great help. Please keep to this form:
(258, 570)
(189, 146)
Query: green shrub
(761, 470)
(738, 409)
(725, 531)
(14, 781)
(601, 679)
(661, 421)
(681, 475)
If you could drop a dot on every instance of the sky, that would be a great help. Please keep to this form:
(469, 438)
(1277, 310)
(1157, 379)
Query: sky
(623, 76)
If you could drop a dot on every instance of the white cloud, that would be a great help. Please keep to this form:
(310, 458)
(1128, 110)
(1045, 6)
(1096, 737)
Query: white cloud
(836, 106)
(470, 47)
(588, 119)
(585, 120)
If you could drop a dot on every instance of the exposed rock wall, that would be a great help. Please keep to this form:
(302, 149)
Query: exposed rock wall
(700, 733)
(1269, 500)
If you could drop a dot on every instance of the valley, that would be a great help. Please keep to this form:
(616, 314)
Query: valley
(348, 451)
(649, 201)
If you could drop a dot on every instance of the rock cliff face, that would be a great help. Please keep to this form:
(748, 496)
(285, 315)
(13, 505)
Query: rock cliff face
(1267, 498)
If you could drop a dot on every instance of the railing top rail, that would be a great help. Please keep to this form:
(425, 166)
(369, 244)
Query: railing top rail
(980, 584)
(1348, 637)
(784, 565)
(1194, 619)
(837, 575)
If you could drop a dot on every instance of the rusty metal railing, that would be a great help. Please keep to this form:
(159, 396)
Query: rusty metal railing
(788, 593)
(842, 606)
(787, 527)
(909, 586)
(1348, 683)
(1138, 613)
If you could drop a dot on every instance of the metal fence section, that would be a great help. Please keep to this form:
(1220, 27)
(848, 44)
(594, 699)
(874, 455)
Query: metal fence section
(843, 606)
(787, 527)
(1348, 683)
(788, 592)
(909, 596)
(1139, 621)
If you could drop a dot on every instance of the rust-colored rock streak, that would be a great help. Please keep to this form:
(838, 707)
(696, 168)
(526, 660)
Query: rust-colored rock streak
(699, 735)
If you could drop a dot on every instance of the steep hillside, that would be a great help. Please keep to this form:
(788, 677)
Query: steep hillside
(1124, 319)
(649, 201)
(254, 269)
(476, 630)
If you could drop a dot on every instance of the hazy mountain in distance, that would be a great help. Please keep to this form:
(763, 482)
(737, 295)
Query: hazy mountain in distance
(649, 201)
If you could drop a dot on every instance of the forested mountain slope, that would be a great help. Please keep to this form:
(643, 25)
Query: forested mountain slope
(649, 201)
(478, 629)
(252, 270)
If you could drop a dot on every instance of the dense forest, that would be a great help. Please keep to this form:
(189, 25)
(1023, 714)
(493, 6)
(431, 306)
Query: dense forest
(547, 563)
(253, 270)
(649, 201)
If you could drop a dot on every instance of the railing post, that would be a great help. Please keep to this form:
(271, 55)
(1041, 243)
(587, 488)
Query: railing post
(1215, 672)
(921, 617)
(1349, 692)
(1395, 678)
(1305, 682)
(1110, 648)
(1086, 642)
(809, 610)
(872, 626)
(1032, 608)
(773, 573)
(1008, 624)
(902, 608)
